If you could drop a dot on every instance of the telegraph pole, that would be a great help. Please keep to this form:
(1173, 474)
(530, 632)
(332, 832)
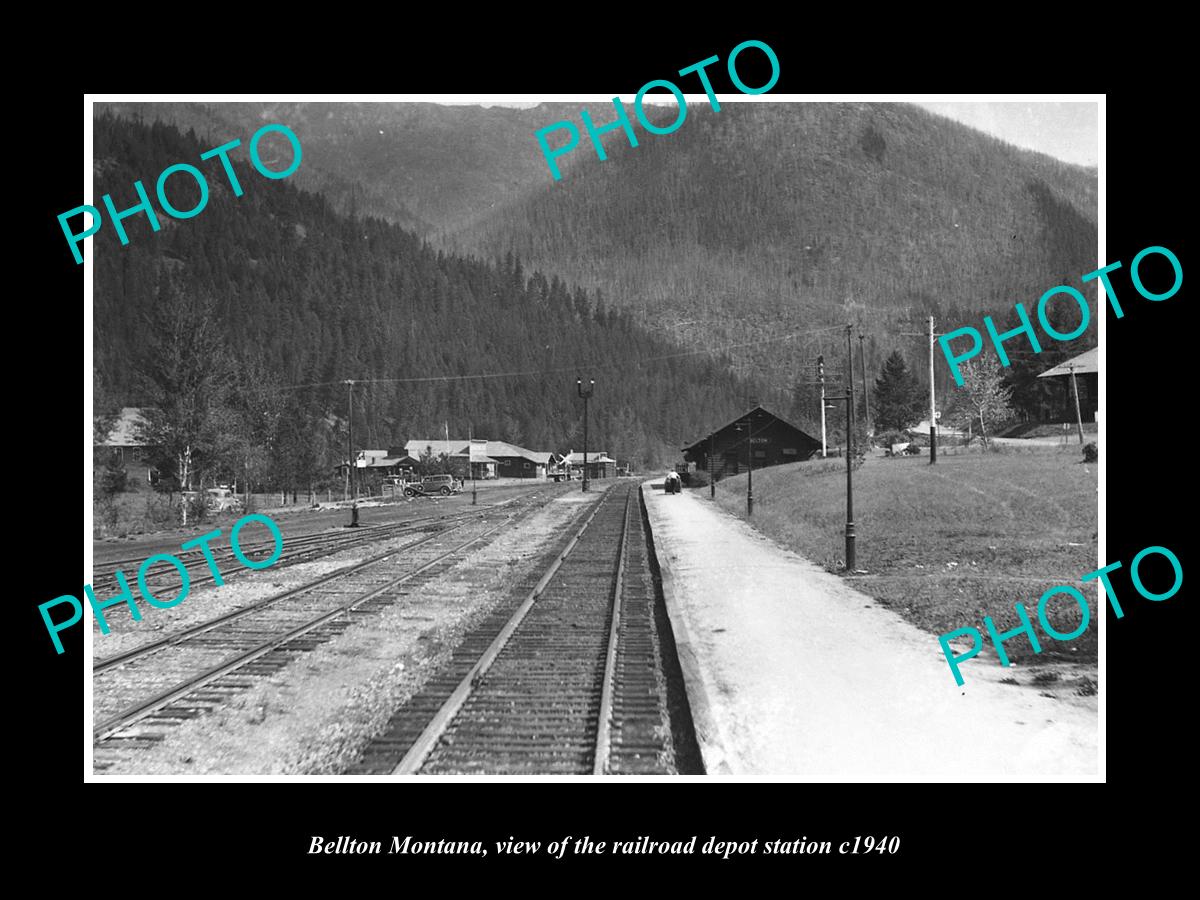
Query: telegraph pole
(862, 357)
(932, 402)
(821, 376)
(586, 395)
(470, 462)
(1078, 414)
(850, 548)
(932, 398)
(350, 482)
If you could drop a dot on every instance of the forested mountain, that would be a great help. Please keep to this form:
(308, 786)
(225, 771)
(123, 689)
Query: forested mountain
(742, 227)
(427, 167)
(768, 217)
(304, 298)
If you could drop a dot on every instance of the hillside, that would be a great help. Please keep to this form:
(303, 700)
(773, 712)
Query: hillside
(764, 218)
(424, 166)
(729, 236)
(302, 298)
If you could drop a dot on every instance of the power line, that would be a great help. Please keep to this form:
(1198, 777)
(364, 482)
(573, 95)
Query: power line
(568, 370)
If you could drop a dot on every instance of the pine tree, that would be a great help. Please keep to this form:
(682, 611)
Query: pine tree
(899, 400)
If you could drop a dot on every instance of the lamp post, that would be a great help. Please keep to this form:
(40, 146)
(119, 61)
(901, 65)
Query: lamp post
(586, 395)
(749, 426)
(712, 482)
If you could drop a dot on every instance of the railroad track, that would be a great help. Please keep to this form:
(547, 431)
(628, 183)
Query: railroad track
(140, 695)
(568, 682)
(303, 548)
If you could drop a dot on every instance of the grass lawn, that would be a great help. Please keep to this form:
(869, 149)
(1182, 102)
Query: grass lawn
(946, 545)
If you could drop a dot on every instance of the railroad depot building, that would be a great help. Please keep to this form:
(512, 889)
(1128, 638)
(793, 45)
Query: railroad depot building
(772, 440)
(487, 459)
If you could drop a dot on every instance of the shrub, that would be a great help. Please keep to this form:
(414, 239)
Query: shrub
(699, 478)
(1091, 453)
(113, 480)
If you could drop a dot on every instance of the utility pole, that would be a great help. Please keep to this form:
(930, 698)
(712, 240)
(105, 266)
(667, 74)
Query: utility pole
(586, 395)
(850, 548)
(350, 481)
(1075, 391)
(932, 398)
(932, 402)
(862, 356)
(470, 462)
(821, 376)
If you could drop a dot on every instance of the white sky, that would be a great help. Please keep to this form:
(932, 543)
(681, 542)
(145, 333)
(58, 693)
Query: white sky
(1064, 130)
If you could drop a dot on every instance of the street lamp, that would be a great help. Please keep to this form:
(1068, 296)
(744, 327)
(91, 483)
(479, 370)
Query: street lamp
(586, 395)
(749, 425)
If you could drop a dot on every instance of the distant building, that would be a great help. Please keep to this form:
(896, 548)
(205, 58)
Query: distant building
(124, 443)
(772, 441)
(1086, 368)
(486, 459)
(599, 464)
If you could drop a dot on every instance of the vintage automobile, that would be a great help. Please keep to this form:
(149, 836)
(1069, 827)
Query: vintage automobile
(433, 484)
(216, 500)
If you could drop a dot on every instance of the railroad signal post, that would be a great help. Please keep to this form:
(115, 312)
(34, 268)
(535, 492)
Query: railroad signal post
(586, 395)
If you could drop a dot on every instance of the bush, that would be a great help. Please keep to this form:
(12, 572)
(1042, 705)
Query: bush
(1091, 453)
(114, 479)
(698, 478)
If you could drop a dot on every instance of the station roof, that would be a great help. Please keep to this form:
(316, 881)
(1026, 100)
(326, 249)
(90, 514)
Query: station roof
(1084, 364)
(733, 422)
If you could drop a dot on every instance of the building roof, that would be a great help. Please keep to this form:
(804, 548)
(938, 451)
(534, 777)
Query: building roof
(477, 450)
(503, 448)
(733, 422)
(450, 448)
(1087, 363)
(594, 456)
(386, 462)
(124, 432)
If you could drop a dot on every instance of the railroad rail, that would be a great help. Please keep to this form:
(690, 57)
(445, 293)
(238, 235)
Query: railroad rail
(567, 682)
(145, 692)
(302, 548)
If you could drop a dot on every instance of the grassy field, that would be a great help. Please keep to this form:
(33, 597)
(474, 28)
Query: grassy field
(946, 545)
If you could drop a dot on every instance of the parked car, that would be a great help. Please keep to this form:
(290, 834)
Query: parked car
(222, 500)
(216, 499)
(434, 484)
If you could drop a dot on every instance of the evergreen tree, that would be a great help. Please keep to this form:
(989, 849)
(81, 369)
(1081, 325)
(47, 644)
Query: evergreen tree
(187, 379)
(898, 397)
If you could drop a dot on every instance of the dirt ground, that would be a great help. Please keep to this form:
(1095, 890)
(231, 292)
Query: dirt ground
(315, 715)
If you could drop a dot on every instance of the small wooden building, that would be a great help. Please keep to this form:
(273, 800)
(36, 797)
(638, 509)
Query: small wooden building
(599, 464)
(759, 435)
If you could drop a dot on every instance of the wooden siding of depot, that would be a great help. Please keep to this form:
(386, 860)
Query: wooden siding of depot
(518, 467)
(774, 442)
